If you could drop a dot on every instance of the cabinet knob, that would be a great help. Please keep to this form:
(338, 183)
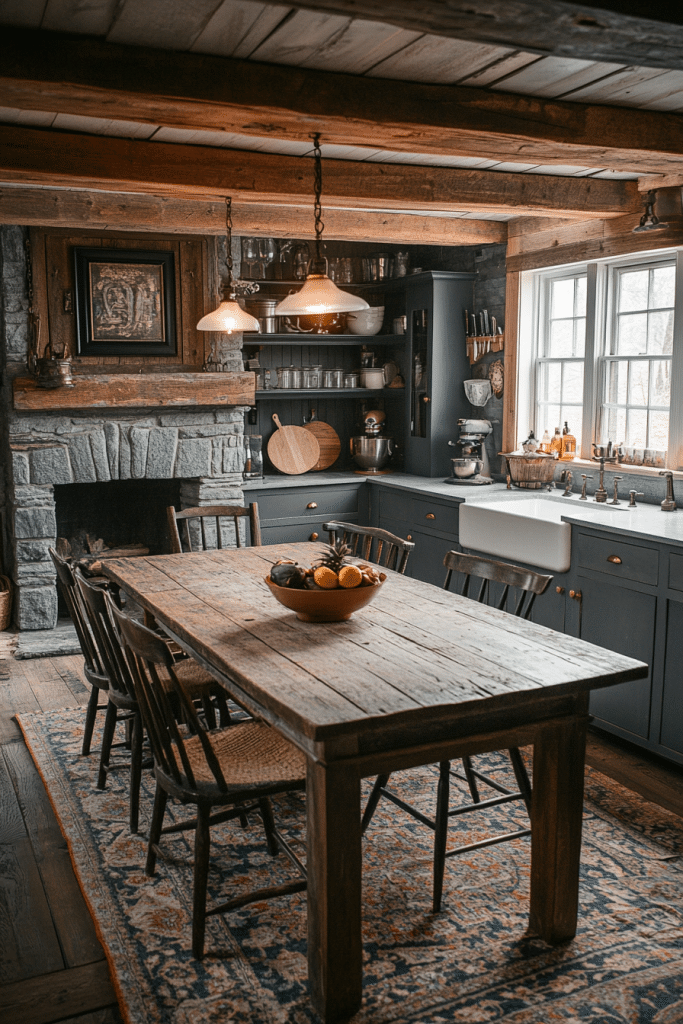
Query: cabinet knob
(426, 398)
(314, 536)
(559, 590)
(614, 559)
(312, 504)
(430, 515)
(409, 537)
(575, 595)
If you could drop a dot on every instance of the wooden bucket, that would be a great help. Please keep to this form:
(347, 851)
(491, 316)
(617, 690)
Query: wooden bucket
(529, 472)
(5, 602)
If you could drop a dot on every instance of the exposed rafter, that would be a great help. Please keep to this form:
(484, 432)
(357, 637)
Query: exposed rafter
(622, 31)
(125, 212)
(82, 76)
(60, 159)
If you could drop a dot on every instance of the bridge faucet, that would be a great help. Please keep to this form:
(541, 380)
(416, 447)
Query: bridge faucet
(600, 492)
(668, 505)
(567, 477)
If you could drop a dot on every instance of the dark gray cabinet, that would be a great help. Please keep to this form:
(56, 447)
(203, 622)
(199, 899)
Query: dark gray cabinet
(431, 523)
(289, 514)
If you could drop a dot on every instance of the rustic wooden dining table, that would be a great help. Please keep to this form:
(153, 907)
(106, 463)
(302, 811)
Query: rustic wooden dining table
(418, 676)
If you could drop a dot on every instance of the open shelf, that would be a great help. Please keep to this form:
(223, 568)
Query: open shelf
(323, 340)
(328, 392)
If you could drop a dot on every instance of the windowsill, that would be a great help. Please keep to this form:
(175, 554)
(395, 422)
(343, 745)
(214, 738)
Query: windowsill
(622, 467)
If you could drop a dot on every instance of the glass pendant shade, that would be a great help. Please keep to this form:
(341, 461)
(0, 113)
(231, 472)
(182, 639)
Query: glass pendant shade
(319, 295)
(229, 317)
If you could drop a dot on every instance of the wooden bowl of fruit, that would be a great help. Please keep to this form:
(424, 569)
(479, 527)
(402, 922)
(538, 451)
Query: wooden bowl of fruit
(331, 590)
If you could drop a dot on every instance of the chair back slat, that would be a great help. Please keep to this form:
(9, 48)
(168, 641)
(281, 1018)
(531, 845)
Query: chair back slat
(149, 654)
(390, 551)
(77, 611)
(528, 583)
(198, 526)
(116, 668)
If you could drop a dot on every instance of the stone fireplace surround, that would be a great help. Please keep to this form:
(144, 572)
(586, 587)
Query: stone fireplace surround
(202, 447)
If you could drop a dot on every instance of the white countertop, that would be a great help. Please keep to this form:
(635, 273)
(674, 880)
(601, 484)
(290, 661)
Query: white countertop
(645, 521)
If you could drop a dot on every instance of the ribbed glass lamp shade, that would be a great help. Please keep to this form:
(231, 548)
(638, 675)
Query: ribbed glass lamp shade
(319, 295)
(228, 318)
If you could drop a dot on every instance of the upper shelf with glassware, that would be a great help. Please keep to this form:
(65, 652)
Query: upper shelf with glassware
(286, 262)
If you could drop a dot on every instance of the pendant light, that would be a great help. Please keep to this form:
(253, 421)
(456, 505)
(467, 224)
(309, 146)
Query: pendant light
(319, 295)
(650, 221)
(229, 317)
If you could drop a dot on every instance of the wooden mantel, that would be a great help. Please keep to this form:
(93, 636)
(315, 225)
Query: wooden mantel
(136, 391)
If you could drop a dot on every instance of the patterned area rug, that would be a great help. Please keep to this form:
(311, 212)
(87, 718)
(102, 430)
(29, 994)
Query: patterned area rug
(471, 963)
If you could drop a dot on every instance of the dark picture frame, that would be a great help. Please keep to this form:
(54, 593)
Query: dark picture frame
(125, 302)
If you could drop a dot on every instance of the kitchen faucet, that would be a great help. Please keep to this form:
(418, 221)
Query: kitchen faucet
(567, 478)
(668, 505)
(600, 492)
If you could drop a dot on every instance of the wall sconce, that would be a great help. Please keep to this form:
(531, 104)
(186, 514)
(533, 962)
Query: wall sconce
(229, 317)
(319, 294)
(650, 221)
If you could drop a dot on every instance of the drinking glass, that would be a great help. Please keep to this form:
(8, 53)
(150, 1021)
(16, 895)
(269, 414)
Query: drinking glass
(267, 250)
(250, 256)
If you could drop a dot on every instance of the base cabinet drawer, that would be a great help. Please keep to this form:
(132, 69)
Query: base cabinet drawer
(619, 558)
(291, 533)
(306, 503)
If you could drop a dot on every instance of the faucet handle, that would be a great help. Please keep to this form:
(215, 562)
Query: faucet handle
(632, 495)
(669, 504)
(615, 499)
(584, 477)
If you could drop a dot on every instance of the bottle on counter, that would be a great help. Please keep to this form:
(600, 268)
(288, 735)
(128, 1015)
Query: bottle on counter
(568, 451)
(544, 446)
(556, 443)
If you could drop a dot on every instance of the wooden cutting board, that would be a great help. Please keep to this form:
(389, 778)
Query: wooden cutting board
(328, 439)
(292, 449)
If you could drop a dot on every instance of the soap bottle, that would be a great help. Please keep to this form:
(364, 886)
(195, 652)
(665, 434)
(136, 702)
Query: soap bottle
(544, 446)
(556, 443)
(568, 444)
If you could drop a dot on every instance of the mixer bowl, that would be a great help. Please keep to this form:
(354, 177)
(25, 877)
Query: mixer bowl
(464, 469)
(371, 453)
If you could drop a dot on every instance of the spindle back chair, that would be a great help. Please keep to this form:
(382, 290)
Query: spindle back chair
(372, 544)
(204, 527)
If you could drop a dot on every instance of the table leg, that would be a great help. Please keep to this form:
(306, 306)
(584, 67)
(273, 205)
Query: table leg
(335, 952)
(557, 811)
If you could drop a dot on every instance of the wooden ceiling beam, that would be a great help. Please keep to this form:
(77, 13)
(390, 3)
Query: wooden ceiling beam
(86, 77)
(39, 157)
(620, 31)
(61, 208)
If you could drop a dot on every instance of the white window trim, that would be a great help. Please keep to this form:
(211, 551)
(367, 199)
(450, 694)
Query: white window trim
(528, 328)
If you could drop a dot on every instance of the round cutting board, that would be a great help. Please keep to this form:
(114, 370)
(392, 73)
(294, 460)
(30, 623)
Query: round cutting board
(292, 449)
(328, 439)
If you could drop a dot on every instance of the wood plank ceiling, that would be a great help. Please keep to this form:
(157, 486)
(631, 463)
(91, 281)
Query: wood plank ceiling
(464, 115)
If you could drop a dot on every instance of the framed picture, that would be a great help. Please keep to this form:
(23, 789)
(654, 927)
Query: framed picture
(125, 302)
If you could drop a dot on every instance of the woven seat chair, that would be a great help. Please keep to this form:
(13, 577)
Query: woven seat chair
(122, 705)
(372, 544)
(204, 528)
(517, 590)
(237, 769)
(92, 665)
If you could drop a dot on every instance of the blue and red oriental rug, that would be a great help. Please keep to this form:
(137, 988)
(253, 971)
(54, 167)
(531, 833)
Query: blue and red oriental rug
(470, 964)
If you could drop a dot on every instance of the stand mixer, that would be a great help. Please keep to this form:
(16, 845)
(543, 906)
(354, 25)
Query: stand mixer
(370, 450)
(472, 467)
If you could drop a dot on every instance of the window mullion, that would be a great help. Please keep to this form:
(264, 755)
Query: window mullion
(590, 369)
(675, 448)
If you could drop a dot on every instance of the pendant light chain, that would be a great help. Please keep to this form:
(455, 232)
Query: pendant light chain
(228, 234)
(317, 208)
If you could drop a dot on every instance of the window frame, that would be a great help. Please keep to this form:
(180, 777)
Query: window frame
(600, 306)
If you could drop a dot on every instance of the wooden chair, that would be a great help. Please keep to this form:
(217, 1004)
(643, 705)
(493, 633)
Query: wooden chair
(372, 544)
(92, 665)
(201, 534)
(517, 590)
(237, 769)
(123, 706)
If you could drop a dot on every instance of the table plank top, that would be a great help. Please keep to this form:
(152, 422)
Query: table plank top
(415, 648)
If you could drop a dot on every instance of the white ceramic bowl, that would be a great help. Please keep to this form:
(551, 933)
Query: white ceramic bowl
(365, 321)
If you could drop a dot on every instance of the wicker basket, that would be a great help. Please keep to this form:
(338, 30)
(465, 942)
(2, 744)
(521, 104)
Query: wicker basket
(530, 471)
(5, 602)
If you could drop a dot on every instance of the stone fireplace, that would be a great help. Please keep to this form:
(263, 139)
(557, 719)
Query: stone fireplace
(96, 441)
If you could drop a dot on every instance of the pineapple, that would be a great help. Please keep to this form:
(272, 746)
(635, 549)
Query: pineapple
(335, 555)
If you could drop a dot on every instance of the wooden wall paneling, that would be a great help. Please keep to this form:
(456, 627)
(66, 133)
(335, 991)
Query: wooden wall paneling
(510, 362)
(60, 280)
(37, 242)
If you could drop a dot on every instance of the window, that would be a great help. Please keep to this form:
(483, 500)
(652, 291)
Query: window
(603, 350)
(561, 350)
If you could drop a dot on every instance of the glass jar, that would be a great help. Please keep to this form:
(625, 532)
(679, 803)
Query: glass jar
(313, 376)
(284, 376)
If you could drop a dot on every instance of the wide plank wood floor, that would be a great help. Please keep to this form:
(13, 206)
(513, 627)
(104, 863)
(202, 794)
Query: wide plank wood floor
(52, 966)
